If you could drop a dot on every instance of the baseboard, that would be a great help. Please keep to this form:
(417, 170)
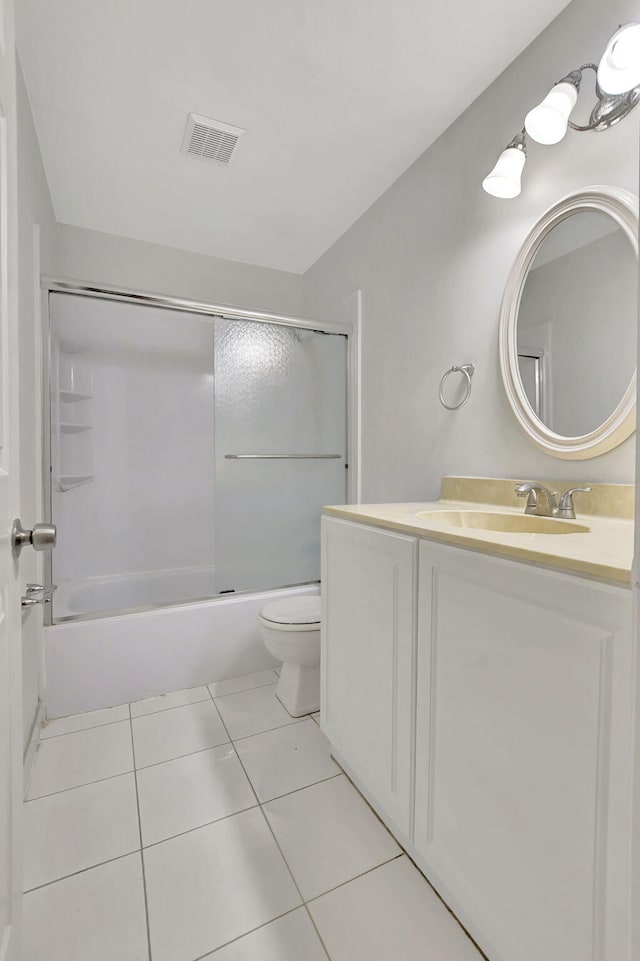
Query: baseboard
(32, 745)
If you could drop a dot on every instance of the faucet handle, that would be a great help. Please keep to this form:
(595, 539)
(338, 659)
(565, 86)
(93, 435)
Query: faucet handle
(566, 507)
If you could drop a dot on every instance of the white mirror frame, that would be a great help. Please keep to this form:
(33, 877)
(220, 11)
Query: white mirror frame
(622, 206)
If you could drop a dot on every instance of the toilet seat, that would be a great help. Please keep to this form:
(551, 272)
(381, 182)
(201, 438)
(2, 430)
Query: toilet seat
(293, 613)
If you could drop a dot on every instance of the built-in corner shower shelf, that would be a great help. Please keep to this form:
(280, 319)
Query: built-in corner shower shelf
(73, 396)
(68, 428)
(66, 482)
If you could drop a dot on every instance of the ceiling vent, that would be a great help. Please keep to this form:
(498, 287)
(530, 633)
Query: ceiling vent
(210, 139)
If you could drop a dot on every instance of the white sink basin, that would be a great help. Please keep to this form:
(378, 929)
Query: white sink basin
(507, 523)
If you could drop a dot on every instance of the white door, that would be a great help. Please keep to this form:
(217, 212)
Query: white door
(10, 616)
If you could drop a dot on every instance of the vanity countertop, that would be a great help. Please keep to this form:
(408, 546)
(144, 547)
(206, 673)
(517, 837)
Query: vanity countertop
(605, 552)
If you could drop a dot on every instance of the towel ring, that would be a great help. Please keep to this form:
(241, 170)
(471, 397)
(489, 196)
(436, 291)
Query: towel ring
(468, 370)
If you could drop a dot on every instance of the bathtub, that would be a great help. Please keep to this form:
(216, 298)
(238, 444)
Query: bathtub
(121, 593)
(100, 661)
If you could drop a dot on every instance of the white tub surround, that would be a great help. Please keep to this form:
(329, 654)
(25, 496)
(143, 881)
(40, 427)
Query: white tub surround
(605, 552)
(482, 705)
(100, 662)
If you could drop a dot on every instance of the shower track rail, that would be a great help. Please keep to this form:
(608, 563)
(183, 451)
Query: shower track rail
(283, 456)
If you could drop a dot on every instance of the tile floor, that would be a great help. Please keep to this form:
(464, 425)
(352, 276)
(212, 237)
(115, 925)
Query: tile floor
(209, 825)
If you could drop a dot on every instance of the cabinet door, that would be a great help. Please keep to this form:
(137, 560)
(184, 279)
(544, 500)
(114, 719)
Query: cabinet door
(523, 753)
(368, 643)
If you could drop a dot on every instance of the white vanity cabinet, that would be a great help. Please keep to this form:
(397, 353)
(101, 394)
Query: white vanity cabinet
(369, 585)
(501, 754)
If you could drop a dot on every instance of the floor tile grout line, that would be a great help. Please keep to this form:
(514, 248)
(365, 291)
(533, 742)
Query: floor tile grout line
(293, 878)
(81, 730)
(317, 930)
(291, 723)
(260, 802)
(243, 690)
(142, 864)
(304, 787)
(201, 957)
(143, 767)
(90, 867)
(250, 807)
(75, 787)
(179, 757)
(199, 827)
(362, 874)
(277, 843)
(270, 829)
(161, 710)
(127, 854)
(235, 750)
(290, 869)
(166, 710)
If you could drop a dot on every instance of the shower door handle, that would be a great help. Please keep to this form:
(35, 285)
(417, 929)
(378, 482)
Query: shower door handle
(283, 456)
(42, 537)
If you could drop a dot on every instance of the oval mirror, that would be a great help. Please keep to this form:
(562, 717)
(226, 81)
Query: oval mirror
(568, 326)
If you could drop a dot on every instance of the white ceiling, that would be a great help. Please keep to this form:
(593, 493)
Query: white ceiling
(338, 98)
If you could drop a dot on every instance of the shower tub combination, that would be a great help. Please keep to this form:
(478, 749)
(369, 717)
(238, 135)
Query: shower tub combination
(191, 452)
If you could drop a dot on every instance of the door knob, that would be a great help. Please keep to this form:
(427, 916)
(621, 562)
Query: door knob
(41, 538)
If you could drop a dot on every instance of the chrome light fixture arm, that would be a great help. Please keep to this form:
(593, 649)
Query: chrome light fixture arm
(610, 109)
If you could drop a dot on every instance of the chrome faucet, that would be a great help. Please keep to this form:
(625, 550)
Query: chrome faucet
(542, 501)
(534, 492)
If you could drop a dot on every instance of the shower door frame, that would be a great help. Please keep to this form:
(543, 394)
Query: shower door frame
(351, 331)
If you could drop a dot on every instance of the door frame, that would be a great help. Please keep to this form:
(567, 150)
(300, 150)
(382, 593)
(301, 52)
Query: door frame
(634, 800)
(349, 328)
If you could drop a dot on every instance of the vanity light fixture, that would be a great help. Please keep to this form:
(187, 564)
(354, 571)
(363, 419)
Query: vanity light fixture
(617, 93)
(505, 180)
(619, 69)
(547, 123)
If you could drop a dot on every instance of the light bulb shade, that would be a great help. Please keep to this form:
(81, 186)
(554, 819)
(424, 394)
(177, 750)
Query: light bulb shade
(547, 123)
(505, 178)
(619, 69)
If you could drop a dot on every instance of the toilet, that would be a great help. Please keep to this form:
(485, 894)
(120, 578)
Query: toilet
(290, 629)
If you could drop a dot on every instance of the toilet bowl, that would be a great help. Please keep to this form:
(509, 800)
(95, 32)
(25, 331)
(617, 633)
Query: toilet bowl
(290, 630)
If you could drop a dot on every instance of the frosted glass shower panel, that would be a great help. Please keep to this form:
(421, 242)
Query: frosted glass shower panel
(278, 390)
(132, 455)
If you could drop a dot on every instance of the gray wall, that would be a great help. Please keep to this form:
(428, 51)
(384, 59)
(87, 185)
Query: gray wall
(90, 255)
(35, 253)
(432, 256)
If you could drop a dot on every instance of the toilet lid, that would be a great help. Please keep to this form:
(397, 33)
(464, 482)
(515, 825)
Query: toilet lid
(293, 610)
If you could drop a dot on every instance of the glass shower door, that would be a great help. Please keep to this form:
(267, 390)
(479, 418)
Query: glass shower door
(190, 455)
(280, 450)
(132, 458)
